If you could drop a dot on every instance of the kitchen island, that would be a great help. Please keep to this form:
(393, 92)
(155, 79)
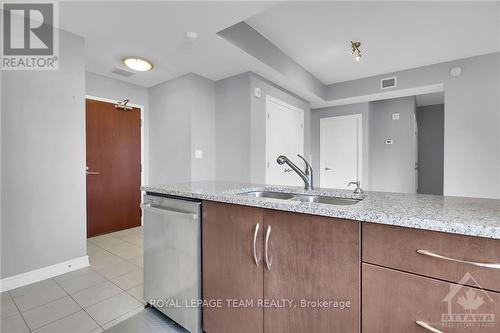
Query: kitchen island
(388, 263)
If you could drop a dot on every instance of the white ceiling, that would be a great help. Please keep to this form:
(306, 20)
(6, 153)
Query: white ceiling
(155, 30)
(394, 35)
(316, 34)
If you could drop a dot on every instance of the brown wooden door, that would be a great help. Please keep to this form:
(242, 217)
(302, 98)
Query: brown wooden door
(394, 301)
(114, 167)
(229, 269)
(312, 258)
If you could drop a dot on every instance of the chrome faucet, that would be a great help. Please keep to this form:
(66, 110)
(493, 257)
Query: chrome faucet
(358, 189)
(306, 175)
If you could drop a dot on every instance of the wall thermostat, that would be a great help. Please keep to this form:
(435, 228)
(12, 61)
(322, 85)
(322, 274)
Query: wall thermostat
(395, 116)
(389, 141)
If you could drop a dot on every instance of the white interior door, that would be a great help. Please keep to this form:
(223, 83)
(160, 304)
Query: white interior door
(340, 151)
(284, 136)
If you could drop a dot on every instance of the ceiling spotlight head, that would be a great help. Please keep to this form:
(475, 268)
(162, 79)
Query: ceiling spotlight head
(138, 64)
(356, 50)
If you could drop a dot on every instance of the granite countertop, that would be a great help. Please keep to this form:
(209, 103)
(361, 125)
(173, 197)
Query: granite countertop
(465, 216)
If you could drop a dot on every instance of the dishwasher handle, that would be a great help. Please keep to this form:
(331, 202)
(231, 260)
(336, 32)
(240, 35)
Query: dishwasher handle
(167, 211)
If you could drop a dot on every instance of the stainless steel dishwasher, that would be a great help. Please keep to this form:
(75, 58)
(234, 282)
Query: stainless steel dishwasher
(172, 258)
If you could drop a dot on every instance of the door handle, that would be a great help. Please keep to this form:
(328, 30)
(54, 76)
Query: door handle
(427, 327)
(255, 233)
(268, 261)
(90, 173)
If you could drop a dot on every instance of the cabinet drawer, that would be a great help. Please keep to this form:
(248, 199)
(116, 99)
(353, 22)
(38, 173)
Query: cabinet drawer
(393, 302)
(396, 247)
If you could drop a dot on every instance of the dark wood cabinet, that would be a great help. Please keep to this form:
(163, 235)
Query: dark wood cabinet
(396, 302)
(313, 258)
(310, 259)
(229, 271)
(396, 247)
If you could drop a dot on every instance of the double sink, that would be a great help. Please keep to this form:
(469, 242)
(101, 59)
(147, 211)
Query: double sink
(302, 197)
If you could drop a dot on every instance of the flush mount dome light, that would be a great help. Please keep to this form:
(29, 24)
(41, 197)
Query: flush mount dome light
(138, 64)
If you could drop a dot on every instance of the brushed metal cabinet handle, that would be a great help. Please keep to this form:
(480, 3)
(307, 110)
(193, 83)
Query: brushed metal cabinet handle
(268, 261)
(92, 173)
(255, 233)
(427, 327)
(473, 263)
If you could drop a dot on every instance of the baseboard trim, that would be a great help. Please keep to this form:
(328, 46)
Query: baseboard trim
(43, 273)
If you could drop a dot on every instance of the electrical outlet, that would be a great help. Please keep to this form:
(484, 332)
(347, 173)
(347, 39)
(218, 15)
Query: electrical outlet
(198, 153)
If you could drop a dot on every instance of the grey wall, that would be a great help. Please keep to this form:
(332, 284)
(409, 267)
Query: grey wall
(43, 218)
(317, 114)
(233, 128)
(430, 120)
(392, 167)
(170, 131)
(203, 128)
(181, 119)
(258, 124)
(241, 126)
(472, 119)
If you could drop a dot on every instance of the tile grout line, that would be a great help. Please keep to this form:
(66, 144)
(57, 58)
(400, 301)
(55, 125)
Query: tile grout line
(74, 300)
(18, 310)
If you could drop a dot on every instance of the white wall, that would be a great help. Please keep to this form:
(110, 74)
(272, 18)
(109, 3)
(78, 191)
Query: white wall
(43, 217)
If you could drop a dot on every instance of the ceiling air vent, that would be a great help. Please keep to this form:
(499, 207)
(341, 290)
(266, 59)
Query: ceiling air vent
(122, 72)
(387, 83)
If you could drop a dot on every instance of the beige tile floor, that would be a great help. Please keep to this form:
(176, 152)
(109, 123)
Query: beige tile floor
(87, 300)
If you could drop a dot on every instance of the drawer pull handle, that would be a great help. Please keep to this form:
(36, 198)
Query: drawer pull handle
(428, 327)
(268, 261)
(255, 233)
(473, 263)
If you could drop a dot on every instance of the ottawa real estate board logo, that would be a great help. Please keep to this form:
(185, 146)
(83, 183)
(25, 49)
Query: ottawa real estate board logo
(30, 39)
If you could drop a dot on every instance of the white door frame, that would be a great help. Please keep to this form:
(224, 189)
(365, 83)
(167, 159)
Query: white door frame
(269, 159)
(359, 135)
(143, 134)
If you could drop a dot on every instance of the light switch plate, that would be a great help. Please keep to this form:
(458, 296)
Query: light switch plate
(395, 116)
(389, 141)
(198, 153)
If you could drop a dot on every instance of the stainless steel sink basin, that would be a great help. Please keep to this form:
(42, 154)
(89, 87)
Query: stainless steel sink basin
(267, 194)
(302, 197)
(326, 200)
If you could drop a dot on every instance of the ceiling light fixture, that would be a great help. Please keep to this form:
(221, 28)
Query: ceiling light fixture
(356, 50)
(138, 64)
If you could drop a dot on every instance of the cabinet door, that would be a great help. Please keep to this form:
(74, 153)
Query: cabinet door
(312, 258)
(229, 268)
(396, 302)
